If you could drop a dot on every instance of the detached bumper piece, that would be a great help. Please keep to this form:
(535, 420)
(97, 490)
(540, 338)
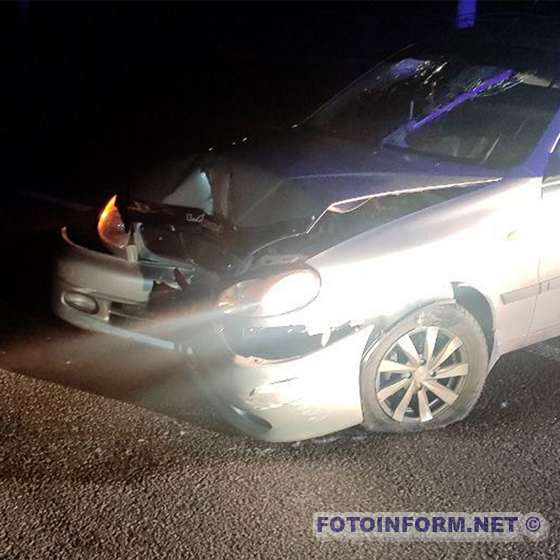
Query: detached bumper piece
(103, 293)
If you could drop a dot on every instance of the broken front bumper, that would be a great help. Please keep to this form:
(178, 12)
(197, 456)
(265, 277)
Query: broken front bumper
(274, 400)
(285, 400)
(92, 290)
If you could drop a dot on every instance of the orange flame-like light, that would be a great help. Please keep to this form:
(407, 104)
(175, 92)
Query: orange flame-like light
(107, 211)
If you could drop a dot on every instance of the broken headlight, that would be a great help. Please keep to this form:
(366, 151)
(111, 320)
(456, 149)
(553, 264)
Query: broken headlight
(272, 295)
(111, 227)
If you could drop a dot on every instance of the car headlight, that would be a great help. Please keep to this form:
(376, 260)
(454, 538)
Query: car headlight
(272, 295)
(111, 227)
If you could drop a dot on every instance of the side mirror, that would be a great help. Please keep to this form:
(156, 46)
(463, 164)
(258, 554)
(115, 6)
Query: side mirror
(552, 171)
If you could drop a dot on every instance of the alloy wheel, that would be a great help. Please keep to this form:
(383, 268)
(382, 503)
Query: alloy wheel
(421, 375)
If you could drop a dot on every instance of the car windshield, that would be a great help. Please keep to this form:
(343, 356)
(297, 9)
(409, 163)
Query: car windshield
(446, 108)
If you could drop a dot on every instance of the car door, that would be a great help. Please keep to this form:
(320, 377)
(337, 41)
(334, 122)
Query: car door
(546, 320)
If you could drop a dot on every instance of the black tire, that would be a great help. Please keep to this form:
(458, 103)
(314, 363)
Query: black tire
(454, 319)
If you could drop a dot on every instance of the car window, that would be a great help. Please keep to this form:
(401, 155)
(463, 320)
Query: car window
(380, 102)
(447, 108)
(498, 129)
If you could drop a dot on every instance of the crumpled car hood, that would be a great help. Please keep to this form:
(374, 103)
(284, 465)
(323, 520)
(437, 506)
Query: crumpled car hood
(295, 174)
(220, 210)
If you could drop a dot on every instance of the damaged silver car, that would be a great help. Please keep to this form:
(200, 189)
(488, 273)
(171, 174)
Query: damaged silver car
(366, 266)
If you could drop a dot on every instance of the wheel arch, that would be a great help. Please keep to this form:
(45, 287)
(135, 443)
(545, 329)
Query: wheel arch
(478, 305)
(465, 295)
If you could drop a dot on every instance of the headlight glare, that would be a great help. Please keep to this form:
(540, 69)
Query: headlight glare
(273, 295)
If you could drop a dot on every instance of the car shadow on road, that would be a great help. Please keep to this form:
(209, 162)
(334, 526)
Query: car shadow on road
(158, 380)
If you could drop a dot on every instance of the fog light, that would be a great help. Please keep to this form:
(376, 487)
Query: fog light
(81, 302)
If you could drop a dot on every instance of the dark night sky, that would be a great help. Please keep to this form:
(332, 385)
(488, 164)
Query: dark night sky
(100, 90)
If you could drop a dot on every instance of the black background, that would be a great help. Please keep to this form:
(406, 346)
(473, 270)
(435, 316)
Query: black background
(98, 92)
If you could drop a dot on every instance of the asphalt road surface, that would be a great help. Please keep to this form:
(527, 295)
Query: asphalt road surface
(108, 450)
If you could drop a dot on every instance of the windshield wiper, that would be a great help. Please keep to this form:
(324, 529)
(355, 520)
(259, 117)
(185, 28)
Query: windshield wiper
(398, 137)
(470, 94)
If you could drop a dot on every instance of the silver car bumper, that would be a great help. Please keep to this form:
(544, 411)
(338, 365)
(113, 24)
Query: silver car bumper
(272, 400)
(107, 280)
(286, 400)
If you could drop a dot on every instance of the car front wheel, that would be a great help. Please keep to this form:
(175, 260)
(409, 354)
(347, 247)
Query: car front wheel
(426, 372)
